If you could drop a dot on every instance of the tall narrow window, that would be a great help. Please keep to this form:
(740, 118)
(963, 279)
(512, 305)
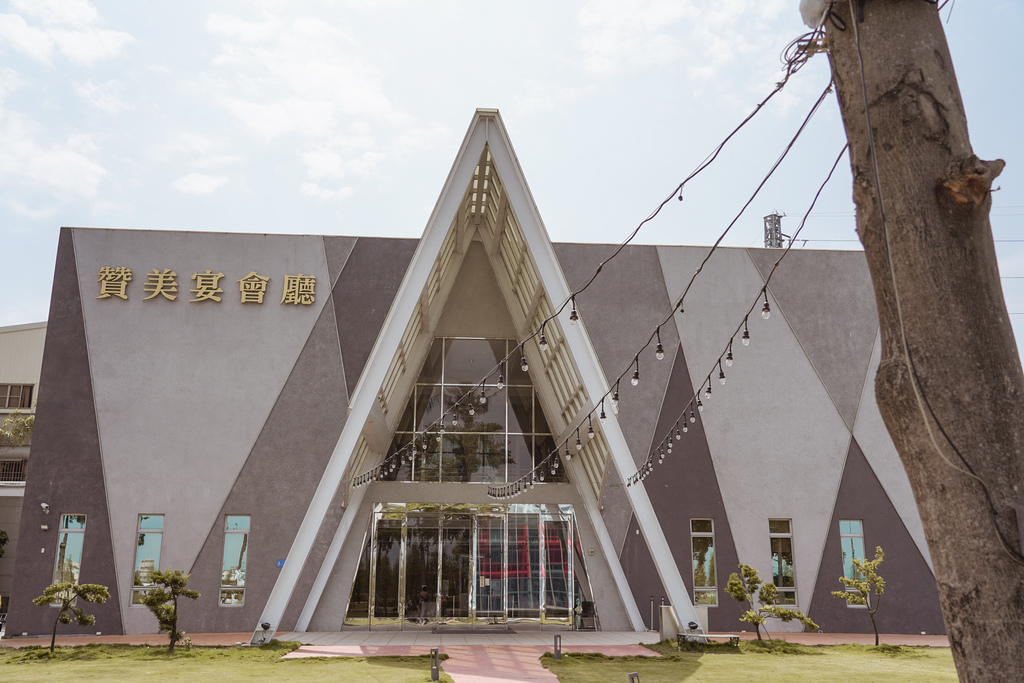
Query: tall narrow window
(232, 575)
(702, 544)
(851, 536)
(70, 542)
(783, 576)
(147, 555)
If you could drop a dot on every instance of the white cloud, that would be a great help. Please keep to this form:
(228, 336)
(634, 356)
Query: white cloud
(198, 183)
(325, 195)
(68, 26)
(67, 170)
(103, 96)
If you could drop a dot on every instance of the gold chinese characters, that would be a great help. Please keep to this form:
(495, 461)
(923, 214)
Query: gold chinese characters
(298, 289)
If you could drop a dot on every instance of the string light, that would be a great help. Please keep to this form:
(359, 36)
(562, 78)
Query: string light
(568, 453)
(523, 365)
(700, 408)
(615, 398)
(721, 373)
(707, 391)
(603, 417)
(579, 444)
(573, 315)
(746, 333)
(728, 355)
(501, 377)
(543, 340)
(472, 408)
(766, 310)
(678, 435)
(483, 397)
(590, 427)
(636, 373)
(659, 351)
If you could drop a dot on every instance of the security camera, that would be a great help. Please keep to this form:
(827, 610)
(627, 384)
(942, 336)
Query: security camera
(265, 625)
(46, 508)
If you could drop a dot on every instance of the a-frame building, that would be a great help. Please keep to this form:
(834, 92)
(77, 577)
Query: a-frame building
(281, 439)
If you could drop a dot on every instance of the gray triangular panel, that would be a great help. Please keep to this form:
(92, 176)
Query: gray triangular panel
(337, 250)
(828, 302)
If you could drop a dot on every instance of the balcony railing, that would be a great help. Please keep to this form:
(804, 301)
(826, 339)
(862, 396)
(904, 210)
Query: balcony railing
(12, 471)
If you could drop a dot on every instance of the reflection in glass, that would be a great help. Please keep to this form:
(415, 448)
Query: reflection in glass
(389, 553)
(70, 543)
(421, 569)
(359, 601)
(467, 361)
(456, 578)
(556, 578)
(490, 562)
(147, 554)
(236, 545)
(523, 566)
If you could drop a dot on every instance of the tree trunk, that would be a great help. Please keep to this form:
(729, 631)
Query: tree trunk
(949, 364)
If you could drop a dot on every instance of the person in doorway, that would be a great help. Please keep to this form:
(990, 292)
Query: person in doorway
(424, 600)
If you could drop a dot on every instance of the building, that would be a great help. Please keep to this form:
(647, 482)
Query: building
(336, 432)
(21, 356)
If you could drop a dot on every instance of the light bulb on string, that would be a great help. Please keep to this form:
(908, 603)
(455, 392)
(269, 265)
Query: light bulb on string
(482, 399)
(523, 365)
(579, 443)
(543, 342)
(728, 355)
(746, 333)
(615, 398)
(766, 310)
(603, 417)
(590, 427)
(659, 351)
(501, 376)
(700, 406)
(455, 419)
(573, 315)
(568, 454)
(636, 373)
(678, 435)
(668, 446)
(685, 428)
(693, 418)
(721, 373)
(472, 408)
(707, 390)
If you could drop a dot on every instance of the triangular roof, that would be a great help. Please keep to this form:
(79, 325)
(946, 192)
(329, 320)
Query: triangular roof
(486, 198)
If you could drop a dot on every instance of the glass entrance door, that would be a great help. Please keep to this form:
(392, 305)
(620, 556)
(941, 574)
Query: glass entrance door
(431, 565)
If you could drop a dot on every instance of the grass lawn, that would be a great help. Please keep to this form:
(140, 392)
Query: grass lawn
(223, 665)
(824, 664)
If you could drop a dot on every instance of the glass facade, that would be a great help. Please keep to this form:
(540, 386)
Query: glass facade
(147, 554)
(495, 435)
(435, 564)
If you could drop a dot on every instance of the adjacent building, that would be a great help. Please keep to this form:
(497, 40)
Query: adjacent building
(475, 429)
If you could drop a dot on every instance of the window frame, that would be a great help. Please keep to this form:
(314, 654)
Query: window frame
(22, 399)
(705, 590)
(779, 536)
(842, 547)
(64, 531)
(235, 589)
(141, 590)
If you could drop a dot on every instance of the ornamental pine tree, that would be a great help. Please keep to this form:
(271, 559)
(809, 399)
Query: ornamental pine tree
(858, 589)
(163, 600)
(761, 598)
(64, 595)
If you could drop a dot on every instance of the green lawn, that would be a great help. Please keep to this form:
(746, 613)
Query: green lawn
(843, 663)
(223, 665)
(820, 664)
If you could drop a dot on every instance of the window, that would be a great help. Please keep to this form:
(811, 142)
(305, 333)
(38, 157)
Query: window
(851, 536)
(702, 543)
(232, 575)
(70, 542)
(781, 536)
(12, 470)
(16, 395)
(147, 555)
(499, 435)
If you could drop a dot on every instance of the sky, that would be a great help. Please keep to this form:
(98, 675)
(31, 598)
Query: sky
(345, 118)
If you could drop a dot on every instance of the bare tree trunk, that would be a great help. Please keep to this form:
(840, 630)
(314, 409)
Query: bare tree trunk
(949, 363)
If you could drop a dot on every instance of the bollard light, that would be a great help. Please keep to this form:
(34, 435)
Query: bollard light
(435, 673)
(558, 647)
